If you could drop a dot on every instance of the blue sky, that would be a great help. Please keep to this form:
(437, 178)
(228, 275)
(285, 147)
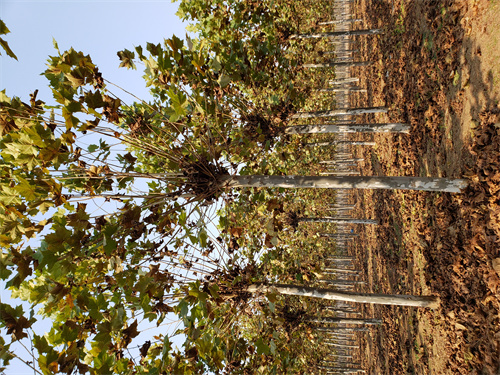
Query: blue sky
(99, 28)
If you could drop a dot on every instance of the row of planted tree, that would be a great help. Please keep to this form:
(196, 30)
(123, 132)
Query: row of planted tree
(217, 237)
(338, 327)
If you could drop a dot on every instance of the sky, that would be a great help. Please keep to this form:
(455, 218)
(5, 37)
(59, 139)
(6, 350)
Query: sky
(99, 28)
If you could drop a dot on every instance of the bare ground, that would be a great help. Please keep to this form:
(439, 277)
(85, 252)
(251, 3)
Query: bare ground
(436, 67)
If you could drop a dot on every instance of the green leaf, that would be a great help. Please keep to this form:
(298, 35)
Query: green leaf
(5, 353)
(7, 49)
(224, 80)
(203, 236)
(178, 103)
(94, 99)
(54, 43)
(182, 309)
(92, 148)
(153, 49)
(183, 218)
(127, 59)
(9, 196)
(26, 190)
(4, 30)
(272, 347)
(109, 245)
(262, 348)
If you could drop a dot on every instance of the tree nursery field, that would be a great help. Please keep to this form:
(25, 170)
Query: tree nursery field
(314, 188)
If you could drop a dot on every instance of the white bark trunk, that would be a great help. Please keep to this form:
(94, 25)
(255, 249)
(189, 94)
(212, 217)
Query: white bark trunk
(348, 128)
(347, 321)
(342, 81)
(336, 34)
(341, 160)
(341, 182)
(340, 112)
(337, 220)
(334, 64)
(338, 22)
(335, 143)
(343, 370)
(333, 330)
(342, 345)
(330, 294)
(343, 89)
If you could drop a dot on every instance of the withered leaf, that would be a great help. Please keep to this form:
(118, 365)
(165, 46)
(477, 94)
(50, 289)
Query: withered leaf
(144, 349)
(129, 333)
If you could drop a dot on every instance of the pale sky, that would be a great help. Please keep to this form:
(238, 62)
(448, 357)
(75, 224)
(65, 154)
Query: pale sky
(99, 28)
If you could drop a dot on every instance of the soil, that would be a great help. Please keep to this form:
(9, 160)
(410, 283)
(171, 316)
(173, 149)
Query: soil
(437, 67)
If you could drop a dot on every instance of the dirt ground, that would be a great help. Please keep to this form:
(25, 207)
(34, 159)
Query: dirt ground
(436, 67)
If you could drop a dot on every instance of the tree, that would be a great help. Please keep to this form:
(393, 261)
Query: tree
(94, 275)
(331, 294)
(341, 182)
(348, 128)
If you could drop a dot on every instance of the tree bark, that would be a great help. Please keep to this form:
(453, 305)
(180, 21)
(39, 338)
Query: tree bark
(335, 143)
(347, 321)
(339, 22)
(339, 63)
(334, 34)
(341, 182)
(330, 294)
(342, 81)
(333, 330)
(336, 220)
(344, 370)
(343, 89)
(340, 112)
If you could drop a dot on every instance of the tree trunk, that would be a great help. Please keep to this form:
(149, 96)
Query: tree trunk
(343, 89)
(343, 346)
(347, 321)
(342, 160)
(341, 182)
(336, 34)
(344, 370)
(342, 81)
(343, 329)
(335, 143)
(340, 112)
(341, 283)
(336, 220)
(339, 63)
(330, 294)
(341, 51)
(341, 173)
(339, 22)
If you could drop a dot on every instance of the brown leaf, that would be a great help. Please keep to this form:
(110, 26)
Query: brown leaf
(496, 265)
(53, 367)
(129, 333)
(267, 240)
(274, 204)
(144, 349)
(236, 232)
(15, 326)
(192, 354)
